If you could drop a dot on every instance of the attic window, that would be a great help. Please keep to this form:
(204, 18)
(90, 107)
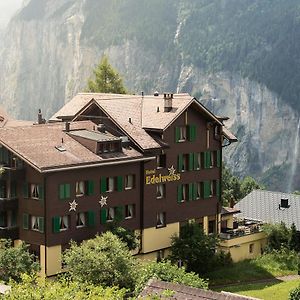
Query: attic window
(61, 148)
(109, 147)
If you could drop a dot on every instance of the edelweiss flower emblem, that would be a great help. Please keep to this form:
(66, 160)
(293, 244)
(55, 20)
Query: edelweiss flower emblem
(103, 201)
(73, 205)
(172, 170)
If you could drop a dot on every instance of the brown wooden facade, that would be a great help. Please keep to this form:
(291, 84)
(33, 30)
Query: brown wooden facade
(195, 161)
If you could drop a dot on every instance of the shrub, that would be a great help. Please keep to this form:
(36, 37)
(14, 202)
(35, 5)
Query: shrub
(165, 271)
(295, 294)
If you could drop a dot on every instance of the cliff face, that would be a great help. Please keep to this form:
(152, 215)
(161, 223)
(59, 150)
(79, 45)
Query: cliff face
(50, 48)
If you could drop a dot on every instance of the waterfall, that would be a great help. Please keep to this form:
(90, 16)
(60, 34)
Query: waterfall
(295, 158)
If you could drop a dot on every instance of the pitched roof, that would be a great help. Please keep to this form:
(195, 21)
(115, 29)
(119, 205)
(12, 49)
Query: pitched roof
(8, 121)
(41, 145)
(264, 206)
(183, 292)
(135, 114)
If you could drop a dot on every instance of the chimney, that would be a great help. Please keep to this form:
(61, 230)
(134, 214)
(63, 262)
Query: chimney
(40, 117)
(67, 127)
(168, 100)
(284, 203)
(101, 128)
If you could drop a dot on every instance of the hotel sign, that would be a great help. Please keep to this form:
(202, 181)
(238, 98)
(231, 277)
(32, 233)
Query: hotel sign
(153, 178)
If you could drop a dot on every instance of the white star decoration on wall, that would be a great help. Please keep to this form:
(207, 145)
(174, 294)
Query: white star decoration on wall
(103, 201)
(172, 170)
(73, 205)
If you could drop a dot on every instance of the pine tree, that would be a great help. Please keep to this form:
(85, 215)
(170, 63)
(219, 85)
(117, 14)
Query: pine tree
(107, 80)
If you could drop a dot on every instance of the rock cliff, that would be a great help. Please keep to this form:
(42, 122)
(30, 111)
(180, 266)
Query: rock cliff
(50, 48)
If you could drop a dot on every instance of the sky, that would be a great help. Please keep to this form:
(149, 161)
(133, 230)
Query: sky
(7, 9)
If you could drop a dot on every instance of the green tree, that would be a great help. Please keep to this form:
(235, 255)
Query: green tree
(107, 80)
(294, 241)
(194, 249)
(104, 260)
(14, 261)
(278, 236)
(36, 288)
(249, 184)
(165, 271)
(125, 235)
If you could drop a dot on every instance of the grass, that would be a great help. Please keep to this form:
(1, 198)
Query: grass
(266, 291)
(267, 266)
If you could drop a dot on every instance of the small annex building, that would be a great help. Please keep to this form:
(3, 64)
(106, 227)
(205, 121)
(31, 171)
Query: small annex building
(270, 207)
(152, 163)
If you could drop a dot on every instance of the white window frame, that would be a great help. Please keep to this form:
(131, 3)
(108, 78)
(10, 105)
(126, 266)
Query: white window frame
(111, 184)
(64, 223)
(182, 133)
(160, 219)
(129, 183)
(160, 191)
(110, 214)
(129, 211)
(80, 188)
(81, 220)
(34, 191)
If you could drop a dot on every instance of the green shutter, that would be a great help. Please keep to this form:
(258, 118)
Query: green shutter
(103, 185)
(180, 162)
(67, 190)
(25, 221)
(56, 224)
(103, 215)
(206, 185)
(194, 191)
(41, 191)
(190, 191)
(192, 133)
(25, 190)
(179, 193)
(191, 161)
(119, 183)
(91, 218)
(207, 160)
(119, 216)
(41, 224)
(61, 191)
(177, 134)
(219, 158)
(90, 187)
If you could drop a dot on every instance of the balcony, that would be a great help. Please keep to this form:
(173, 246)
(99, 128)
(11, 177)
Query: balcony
(9, 233)
(240, 231)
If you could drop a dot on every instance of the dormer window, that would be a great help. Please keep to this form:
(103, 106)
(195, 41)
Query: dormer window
(109, 147)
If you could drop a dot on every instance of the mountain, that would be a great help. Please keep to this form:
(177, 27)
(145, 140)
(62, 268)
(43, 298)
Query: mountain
(240, 57)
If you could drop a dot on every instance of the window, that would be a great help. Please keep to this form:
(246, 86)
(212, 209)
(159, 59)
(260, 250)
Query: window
(81, 220)
(110, 214)
(199, 190)
(180, 134)
(64, 191)
(207, 191)
(60, 223)
(251, 248)
(3, 219)
(80, 188)
(37, 223)
(161, 219)
(84, 188)
(212, 226)
(34, 191)
(129, 182)
(197, 161)
(161, 161)
(109, 147)
(129, 211)
(110, 184)
(183, 162)
(160, 191)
